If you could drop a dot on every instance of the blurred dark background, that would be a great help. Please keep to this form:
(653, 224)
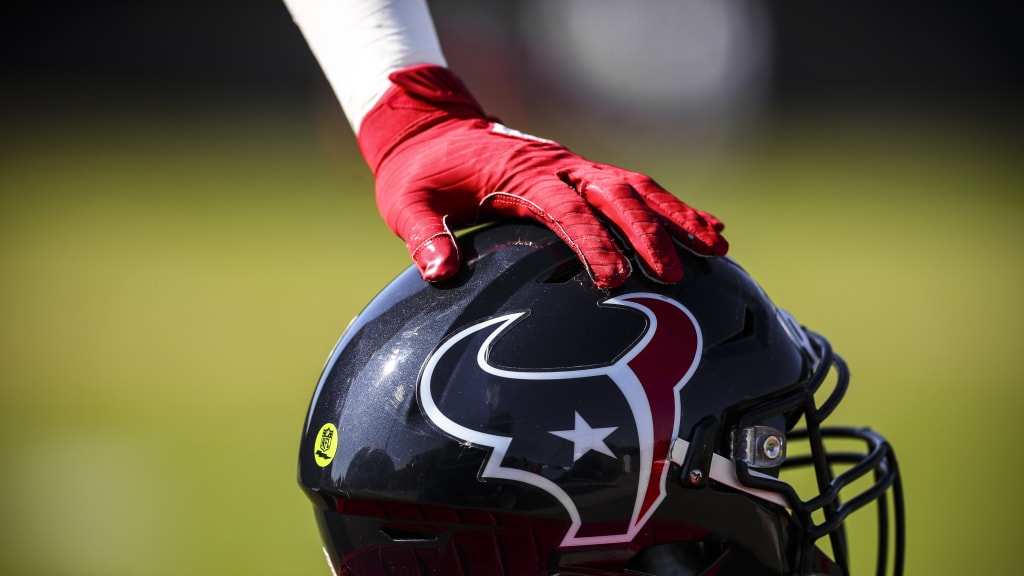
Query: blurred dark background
(961, 53)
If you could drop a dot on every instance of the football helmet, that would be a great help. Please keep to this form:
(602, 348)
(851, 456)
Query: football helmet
(517, 420)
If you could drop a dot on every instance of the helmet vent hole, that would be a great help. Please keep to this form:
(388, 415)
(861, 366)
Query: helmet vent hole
(745, 332)
(407, 535)
(564, 272)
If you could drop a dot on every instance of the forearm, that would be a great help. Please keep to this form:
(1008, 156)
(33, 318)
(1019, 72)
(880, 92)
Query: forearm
(438, 162)
(359, 42)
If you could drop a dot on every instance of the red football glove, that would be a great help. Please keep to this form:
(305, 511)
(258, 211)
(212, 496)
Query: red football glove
(440, 163)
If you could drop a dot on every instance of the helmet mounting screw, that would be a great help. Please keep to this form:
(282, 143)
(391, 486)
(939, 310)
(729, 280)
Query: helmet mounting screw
(759, 446)
(696, 476)
(772, 447)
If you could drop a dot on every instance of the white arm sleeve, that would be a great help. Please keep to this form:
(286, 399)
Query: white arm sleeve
(359, 42)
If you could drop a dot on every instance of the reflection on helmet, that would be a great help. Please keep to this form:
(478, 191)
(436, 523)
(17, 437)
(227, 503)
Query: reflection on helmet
(518, 421)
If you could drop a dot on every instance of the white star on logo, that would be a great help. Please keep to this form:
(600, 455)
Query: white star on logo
(584, 438)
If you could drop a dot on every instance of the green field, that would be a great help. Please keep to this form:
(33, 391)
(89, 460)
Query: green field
(171, 286)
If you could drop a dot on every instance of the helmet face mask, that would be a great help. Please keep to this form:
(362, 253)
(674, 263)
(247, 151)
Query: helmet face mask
(517, 420)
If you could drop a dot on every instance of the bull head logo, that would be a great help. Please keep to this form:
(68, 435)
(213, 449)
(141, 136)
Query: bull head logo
(568, 432)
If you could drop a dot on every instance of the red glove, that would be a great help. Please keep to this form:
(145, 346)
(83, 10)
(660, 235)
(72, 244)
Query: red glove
(440, 163)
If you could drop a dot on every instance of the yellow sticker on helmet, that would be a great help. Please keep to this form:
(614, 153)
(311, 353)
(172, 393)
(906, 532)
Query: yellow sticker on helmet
(326, 445)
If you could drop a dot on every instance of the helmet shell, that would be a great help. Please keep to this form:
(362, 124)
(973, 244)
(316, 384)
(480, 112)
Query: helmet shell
(404, 447)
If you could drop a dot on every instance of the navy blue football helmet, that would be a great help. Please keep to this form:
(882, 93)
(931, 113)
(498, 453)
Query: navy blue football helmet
(516, 420)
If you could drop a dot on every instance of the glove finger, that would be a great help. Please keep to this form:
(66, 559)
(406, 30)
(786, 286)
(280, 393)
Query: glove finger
(563, 211)
(437, 257)
(697, 230)
(618, 201)
(425, 231)
(715, 223)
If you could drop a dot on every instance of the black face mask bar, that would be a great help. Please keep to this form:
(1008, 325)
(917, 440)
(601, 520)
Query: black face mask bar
(876, 461)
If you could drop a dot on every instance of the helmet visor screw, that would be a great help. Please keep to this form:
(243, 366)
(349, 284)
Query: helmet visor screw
(696, 477)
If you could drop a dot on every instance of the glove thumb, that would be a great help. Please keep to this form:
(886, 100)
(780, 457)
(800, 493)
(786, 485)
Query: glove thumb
(437, 257)
(430, 242)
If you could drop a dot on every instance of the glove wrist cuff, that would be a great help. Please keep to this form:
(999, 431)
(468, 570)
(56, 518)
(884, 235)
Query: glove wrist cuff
(421, 96)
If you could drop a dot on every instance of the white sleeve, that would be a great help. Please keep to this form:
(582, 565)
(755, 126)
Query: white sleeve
(359, 42)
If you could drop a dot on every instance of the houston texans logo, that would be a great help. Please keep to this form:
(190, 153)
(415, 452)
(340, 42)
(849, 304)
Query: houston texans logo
(599, 435)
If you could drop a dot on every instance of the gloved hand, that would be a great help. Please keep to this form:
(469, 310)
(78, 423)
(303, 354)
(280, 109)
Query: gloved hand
(440, 164)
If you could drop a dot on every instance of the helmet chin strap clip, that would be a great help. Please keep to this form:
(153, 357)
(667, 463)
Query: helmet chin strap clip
(699, 463)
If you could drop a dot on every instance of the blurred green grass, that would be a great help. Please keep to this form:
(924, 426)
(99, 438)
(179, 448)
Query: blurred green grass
(171, 286)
